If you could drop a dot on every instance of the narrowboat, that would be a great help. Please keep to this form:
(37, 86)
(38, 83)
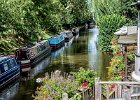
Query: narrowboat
(67, 35)
(32, 54)
(56, 42)
(9, 70)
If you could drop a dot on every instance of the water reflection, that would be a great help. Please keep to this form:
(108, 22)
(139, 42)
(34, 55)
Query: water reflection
(92, 47)
(68, 44)
(57, 52)
(40, 66)
(97, 60)
(10, 91)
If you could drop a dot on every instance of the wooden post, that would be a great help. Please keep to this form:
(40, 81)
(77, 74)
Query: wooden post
(107, 92)
(83, 95)
(97, 89)
(125, 57)
(119, 91)
(93, 93)
(116, 91)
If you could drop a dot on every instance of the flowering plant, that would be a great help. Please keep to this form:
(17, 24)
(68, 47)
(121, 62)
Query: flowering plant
(117, 66)
(53, 87)
(85, 77)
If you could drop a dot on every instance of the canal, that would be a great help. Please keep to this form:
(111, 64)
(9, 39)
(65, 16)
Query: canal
(81, 51)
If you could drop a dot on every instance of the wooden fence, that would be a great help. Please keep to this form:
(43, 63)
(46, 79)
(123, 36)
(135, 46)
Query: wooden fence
(103, 90)
(119, 91)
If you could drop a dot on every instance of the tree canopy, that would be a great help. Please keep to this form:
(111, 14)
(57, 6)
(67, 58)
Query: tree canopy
(25, 20)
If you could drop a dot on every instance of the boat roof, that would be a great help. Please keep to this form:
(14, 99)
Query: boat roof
(126, 30)
(30, 45)
(3, 58)
(128, 39)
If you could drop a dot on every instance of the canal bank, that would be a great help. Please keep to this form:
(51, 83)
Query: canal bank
(81, 52)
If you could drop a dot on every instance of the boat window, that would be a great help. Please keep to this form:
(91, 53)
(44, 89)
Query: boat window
(0, 71)
(17, 53)
(43, 47)
(38, 49)
(47, 44)
(5, 66)
(11, 63)
(1, 68)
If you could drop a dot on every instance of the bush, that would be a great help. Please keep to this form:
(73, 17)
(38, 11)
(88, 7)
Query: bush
(117, 65)
(88, 75)
(108, 24)
(53, 87)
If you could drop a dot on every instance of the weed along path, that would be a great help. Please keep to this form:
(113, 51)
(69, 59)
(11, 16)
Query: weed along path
(79, 52)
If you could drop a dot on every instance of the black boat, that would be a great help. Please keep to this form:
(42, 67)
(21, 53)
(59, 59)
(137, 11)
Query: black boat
(9, 70)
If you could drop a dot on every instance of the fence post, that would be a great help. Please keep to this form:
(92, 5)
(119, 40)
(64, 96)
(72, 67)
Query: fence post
(119, 91)
(93, 91)
(127, 94)
(97, 89)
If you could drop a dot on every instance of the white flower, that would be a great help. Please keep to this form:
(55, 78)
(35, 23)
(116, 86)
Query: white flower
(38, 80)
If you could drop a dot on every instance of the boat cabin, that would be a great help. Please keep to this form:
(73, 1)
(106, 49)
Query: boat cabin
(56, 42)
(9, 70)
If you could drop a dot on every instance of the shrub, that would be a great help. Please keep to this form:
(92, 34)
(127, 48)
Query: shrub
(85, 75)
(117, 66)
(108, 24)
(53, 87)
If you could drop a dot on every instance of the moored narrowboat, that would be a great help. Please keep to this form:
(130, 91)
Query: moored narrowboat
(56, 42)
(67, 35)
(9, 70)
(32, 54)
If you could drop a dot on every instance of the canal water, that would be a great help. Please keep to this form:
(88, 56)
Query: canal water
(81, 51)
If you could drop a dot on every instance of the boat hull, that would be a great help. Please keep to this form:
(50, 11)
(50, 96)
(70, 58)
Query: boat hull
(57, 46)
